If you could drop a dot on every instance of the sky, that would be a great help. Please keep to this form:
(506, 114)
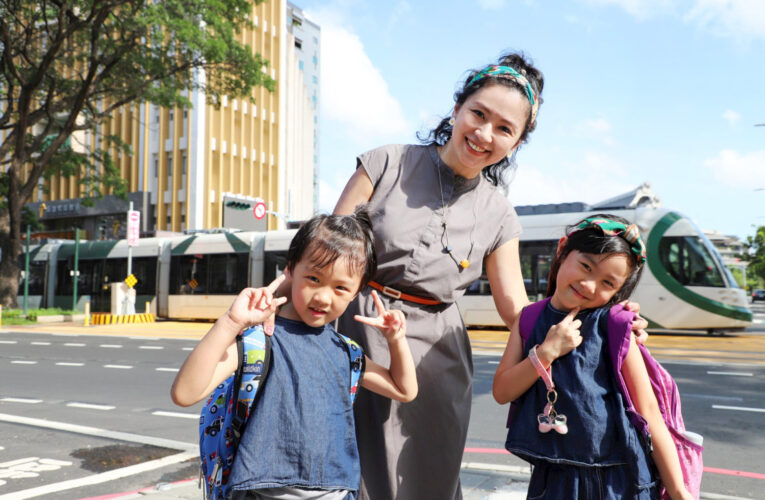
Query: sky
(666, 92)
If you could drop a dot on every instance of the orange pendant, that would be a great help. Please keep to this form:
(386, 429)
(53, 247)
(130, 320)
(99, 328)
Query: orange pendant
(464, 263)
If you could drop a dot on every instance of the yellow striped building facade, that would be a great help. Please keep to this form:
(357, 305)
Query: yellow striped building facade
(187, 163)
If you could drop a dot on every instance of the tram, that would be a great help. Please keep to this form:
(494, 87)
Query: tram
(684, 285)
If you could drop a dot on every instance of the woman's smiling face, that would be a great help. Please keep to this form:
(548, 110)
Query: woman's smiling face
(487, 127)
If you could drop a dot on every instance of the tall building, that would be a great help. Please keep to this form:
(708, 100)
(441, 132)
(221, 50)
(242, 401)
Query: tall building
(203, 167)
(307, 47)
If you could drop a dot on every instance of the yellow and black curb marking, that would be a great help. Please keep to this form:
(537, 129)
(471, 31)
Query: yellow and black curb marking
(114, 319)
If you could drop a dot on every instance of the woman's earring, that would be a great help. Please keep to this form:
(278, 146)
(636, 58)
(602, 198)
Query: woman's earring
(451, 121)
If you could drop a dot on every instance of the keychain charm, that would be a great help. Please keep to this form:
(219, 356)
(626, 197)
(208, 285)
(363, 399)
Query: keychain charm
(549, 419)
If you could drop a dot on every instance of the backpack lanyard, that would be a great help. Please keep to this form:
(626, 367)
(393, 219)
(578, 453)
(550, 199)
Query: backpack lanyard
(549, 418)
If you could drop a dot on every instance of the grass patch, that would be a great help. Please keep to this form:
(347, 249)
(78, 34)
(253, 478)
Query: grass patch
(16, 316)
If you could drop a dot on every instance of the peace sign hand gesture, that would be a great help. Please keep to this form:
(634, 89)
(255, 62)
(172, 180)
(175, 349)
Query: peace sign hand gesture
(255, 305)
(391, 323)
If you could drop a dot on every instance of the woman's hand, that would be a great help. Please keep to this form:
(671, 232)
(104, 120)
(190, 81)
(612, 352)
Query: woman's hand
(256, 305)
(391, 323)
(638, 324)
(561, 339)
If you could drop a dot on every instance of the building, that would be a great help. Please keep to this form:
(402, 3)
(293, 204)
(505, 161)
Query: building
(307, 39)
(203, 167)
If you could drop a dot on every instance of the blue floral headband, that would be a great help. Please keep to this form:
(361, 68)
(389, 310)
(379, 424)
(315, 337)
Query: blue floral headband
(630, 233)
(512, 74)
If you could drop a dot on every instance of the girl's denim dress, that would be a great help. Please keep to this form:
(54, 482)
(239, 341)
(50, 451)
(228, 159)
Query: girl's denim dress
(301, 431)
(601, 456)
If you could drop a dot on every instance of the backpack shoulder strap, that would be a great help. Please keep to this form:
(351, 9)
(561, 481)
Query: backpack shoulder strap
(529, 316)
(357, 363)
(254, 351)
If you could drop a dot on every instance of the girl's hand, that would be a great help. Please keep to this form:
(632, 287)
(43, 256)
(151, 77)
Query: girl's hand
(638, 324)
(255, 305)
(391, 323)
(561, 339)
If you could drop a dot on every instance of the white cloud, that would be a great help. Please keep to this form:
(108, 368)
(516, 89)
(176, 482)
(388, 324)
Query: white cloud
(639, 9)
(740, 170)
(354, 93)
(596, 128)
(738, 19)
(596, 178)
(731, 117)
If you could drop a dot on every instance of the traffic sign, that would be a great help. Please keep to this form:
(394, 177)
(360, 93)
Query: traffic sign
(133, 227)
(131, 280)
(259, 210)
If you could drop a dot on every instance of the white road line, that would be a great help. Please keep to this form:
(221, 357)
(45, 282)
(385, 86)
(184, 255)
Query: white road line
(65, 363)
(104, 433)
(90, 406)
(74, 344)
(167, 369)
(21, 400)
(111, 346)
(738, 408)
(493, 362)
(157, 347)
(161, 413)
(187, 349)
(23, 362)
(100, 478)
(119, 367)
(144, 339)
(40, 343)
(734, 374)
(9, 341)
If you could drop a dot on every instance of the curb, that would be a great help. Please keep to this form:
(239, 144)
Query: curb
(118, 319)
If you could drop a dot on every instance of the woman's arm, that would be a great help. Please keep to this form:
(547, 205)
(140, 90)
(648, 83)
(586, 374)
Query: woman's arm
(358, 190)
(664, 451)
(503, 268)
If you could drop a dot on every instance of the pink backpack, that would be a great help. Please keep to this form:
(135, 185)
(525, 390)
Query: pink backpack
(664, 387)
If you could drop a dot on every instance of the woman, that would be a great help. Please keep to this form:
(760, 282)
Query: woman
(438, 214)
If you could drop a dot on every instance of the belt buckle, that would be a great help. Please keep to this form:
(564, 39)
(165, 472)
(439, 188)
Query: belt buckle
(391, 292)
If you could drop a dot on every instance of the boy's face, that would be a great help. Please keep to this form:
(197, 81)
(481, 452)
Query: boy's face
(321, 295)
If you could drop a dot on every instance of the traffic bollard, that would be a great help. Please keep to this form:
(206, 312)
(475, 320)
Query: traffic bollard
(148, 307)
(87, 313)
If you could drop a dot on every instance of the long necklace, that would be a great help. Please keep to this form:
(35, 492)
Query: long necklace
(462, 263)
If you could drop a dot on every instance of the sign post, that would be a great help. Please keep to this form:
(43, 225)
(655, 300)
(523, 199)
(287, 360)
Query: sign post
(133, 234)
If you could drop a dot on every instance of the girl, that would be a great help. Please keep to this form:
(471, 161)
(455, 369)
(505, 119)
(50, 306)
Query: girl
(577, 436)
(299, 441)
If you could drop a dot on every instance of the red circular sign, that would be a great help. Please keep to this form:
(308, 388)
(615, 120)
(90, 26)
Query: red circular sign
(259, 210)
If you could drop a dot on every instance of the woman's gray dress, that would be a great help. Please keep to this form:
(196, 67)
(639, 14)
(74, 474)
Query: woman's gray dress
(413, 451)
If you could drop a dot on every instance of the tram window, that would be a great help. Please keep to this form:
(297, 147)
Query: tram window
(274, 264)
(36, 279)
(188, 274)
(689, 261)
(536, 259)
(228, 273)
(480, 286)
(145, 271)
(115, 270)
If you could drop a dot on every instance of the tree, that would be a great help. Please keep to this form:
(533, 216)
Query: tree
(66, 65)
(755, 254)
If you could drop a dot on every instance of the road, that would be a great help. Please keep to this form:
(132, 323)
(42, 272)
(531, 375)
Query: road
(98, 386)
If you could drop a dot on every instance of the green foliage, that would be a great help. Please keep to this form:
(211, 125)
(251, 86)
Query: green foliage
(755, 255)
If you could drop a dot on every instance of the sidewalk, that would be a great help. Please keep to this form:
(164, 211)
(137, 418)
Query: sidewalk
(479, 482)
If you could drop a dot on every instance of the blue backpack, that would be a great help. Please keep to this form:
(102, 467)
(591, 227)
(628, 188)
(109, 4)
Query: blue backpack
(225, 413)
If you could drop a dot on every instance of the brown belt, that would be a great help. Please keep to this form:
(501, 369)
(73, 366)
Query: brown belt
(397, 294)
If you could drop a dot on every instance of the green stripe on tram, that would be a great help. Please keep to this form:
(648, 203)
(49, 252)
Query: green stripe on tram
(88, 249)
(237, 244)
(674, 286)
(181, 248)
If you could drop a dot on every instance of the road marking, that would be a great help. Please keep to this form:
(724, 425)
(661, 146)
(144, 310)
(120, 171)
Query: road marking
(161, 413)
(74, 344)
(40, 343)
(734, 374)
(187, 349)
(21, 400)
(156, 347)
(9, 341)
(22, 362)
(493, 362)
(104, 433)
(168, 369)
(738, 408)
(119, 367)
(100, 478)
(90, 406)
(66, 363)
(111, 346)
